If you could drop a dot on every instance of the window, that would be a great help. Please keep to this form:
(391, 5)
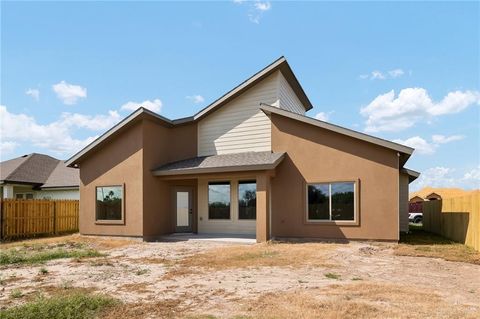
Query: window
(109, 205)
(24, 196)
(247, 200)
(219, 200)
(331, 201)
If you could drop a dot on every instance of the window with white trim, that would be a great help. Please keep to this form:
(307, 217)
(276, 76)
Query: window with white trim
(331, 201)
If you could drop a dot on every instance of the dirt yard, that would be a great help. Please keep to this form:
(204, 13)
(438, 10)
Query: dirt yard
(211, 279)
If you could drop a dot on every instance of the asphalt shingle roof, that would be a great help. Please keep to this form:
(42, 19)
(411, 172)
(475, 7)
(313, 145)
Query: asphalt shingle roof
(222, 163)
(38, 169)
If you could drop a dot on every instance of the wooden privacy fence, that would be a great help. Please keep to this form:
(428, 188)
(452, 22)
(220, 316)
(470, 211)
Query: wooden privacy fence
(456, 218)
(25, 218)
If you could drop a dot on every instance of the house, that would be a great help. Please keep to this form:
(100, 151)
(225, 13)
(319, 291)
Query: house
(251, 163)
(433, 196)
(444, 193)
(38, 176)
(416, 199)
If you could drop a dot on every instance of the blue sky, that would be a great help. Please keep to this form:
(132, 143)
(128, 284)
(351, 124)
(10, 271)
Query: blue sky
(407, 72)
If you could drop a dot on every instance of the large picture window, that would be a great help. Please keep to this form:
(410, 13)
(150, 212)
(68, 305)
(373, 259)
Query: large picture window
(331, 201)
(247, 200)
(219, 200)
(109, 203)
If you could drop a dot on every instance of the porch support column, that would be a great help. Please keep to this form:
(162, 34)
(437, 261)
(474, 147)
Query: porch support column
(263, 208)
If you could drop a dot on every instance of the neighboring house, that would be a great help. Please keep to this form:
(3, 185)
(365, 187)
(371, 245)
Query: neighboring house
(442, 192)
(433, 196)
(250, 163)
(38, 176)
(416, 199)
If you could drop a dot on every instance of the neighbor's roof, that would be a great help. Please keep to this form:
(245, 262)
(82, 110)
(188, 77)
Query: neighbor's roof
(443, 192)
(62, 176)
(37, 169)
(280, 64)
(268, 109)
(249, 161)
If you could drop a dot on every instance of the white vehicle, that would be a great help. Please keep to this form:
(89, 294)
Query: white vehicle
(415, 217)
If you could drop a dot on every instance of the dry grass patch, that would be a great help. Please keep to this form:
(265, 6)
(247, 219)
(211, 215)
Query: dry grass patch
(168, 308)
(138, 287)
(357, 301)
(258, 255)
(104, 243)
(423, 244)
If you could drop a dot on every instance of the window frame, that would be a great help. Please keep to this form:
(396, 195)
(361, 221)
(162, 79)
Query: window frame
(246, 181)
(230, 215)
(24, 196)
(111, 221)
(356, 201)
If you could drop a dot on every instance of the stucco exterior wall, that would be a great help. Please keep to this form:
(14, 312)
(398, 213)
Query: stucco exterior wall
(163, 145)
(118, 161)
(316, 155)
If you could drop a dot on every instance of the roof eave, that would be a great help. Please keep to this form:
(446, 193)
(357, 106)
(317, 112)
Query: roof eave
(221, 169)
(412, 175)
(268, 109)
(127, 120)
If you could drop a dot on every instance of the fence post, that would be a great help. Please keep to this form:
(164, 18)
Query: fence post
(54, 217)
(1, 218)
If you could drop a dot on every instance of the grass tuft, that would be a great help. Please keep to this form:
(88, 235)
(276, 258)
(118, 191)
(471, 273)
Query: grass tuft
(331, 275)
(74, 306)
(419, 243)
(15, 294)
(38, 255)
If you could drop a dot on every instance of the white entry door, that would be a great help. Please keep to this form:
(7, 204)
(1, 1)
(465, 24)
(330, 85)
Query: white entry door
(184, 212)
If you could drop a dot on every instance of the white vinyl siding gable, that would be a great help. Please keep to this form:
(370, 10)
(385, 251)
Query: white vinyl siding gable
(288, 99)
(240, 126)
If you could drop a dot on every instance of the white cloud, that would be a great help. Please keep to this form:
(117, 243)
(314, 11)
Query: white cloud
(262, 6)
(441, 139)
(419, 144)
(155, 105)
(396, 73)
(473, 176)
(94, 123)
(322, 116)
(379, 75)
(196, 98)
(6, 148)
(389, 113)
(447, 177)
(57, 136)
(34, 93)
(425, 147)
(256, 9)
(69, 93)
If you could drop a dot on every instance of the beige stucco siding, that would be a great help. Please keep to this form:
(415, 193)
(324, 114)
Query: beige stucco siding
(116, 162)
(316, 155)
(240, 125)
(403, 202)
(288, 99)
(232, 226)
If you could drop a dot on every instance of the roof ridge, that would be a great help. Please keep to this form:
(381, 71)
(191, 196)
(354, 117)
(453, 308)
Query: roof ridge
(29, 156)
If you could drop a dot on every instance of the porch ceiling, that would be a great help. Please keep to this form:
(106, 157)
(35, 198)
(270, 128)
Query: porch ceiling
(249, 161)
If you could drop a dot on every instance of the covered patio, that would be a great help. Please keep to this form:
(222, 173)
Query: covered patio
(222, 194)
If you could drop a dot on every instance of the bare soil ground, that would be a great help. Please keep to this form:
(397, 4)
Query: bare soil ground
(208, 279)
